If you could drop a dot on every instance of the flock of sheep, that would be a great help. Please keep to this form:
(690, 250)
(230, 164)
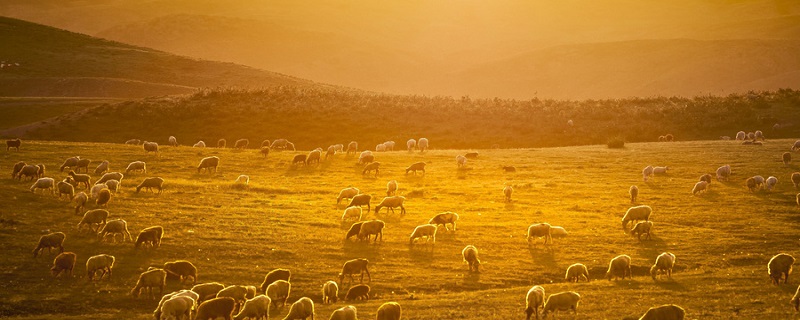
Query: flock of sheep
(212, 300)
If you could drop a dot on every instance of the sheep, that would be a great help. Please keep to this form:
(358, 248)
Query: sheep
(787, 158)
(222, 143)
(660, 170)
(64, 262)
(347, 193)
(103, 197)
(178, 307)
(539, 230)
(507, 191)
(115, 227)
(558, 232)
(751, 136)
(100, 262)
(796, 299)
(338, 148)
(44, 183)
(461, 161)
(300, 158)
(723, 173)
(411, 144)
(281, 144)
(759, 181)
(301, 309)
(634, 192)
(796, 145)
(13, 144)
(180, 293)
(369, 228)
(133, 141)
(83, 163)
(150, 147)
(265, 151)
(257, 307)
(136, 166)
(112, 185)
(758, 135)
(561, 301)
(80, 200)
(533, 301)
(92, 217)
(780, 265)
(241, 144)
(352, 147)
(150, 183)
(751, 184)
(49, 241)
(471, 155)
(199, 144)
(265, 143)
(576, 271)
(355, 266)
(380, 147)
(665, 312)
(243, 180)
(706, 177)
(796, 179)
(664, 263)
(771, 182)
(70, 163)
(422, 144)
(330, 292)
(391, 188)
(357, 292)
(354, 230)
(643, 227)
(208, 163)
(216, 308)
(279, 291)
(647, 172)
(110, 176)
(360, 200)
(65, 188)
(635, 214)
(313, 156)
(365, 157)
(95, 191)
(741, 135)
(344, 313)
(470, 255)
(29, 171)
(17, 168)
(330, 152)
(237, 292)
(251, 292)
(149, 280)
(390, 203)
(152, 236)
(426, 230)
(207, 291)
(444, 219)
(272, 276)
(509, 169)
(389, 311)
(181, 268)
(669, 137)
(79, 179)
(419, 166)
(620, 266)
(102, 167)
(700, 186)
(352, 212)
(173, 141)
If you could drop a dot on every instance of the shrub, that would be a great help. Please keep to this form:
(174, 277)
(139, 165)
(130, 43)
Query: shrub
(617, 142)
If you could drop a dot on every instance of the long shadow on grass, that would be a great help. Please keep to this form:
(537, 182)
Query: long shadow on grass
(543, 256)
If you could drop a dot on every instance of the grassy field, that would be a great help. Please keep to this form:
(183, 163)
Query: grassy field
(287, 218)
(32, 110)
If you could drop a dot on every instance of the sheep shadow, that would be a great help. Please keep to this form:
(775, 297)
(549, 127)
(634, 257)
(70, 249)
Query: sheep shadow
(670, 284)
(509, 205)
(472, 277)
(544, 256)
(421, 253)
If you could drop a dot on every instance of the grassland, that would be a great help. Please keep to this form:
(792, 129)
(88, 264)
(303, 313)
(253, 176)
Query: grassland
(24, 111)
(288, 218)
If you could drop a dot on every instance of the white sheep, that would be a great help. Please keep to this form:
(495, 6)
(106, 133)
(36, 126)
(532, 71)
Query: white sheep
(173, 141)
(635, 214)
(149, 280)
(389, 145)
(533, 301)
(558, 232)
(110, 176)
(369, 228)
(391, 188)
(620, 266)
(647, 172)
(180, 293)
(115, 227)
(112, 185)
(207, 291)
(330, 292)
(301, 309)
(562, 301)
(634, 192)
(771, 182)
(199, 144)
(411, 144)
(208, 163)
(741, 135)
(352, 147)
(216, 308)
(389, 311)
(758, 135)
(660, 170)
(355, 266)
(44, 183)
(796, 145)
(80, 200)
(390, 203)
(507, 191)
(243, 180)
(428, 231)
(347, 193)
(380, 147)
(577, 271)
(278, 292)
(444, 219)
(136, 166)
(461, 161)
(642, 227)
(422, 144)
(150, 183)
(150, 147)
(700, 186)
(50, 241)
(539, 230)
(352, 213)
(100, 262)
(470, 254)
(344, 313)
(665, 312)
(96, 189)
(257, 307)
(664, 264)
(723, 172)
(779, 266)
(178, 307)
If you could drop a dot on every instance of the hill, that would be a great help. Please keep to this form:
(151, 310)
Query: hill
(287, 218)
(46, 61)
(318, 118)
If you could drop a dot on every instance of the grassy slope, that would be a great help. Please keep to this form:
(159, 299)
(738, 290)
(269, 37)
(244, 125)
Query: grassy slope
(31, 110)
(287, 218)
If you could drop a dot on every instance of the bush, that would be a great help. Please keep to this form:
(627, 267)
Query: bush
(616, 142)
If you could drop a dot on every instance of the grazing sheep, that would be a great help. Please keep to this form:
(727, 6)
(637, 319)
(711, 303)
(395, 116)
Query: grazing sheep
(634, 192)
(265, 151)
(178, 307)
(173, 141)
(338, 148)
(391, 188)
(241, 144)
(796, 299)
(216, 308)
(365, 157)
(92, 217)
(172, 309)
(150, 147)
(665, 312)
(83, 163)
(352, 147)
(700, 186)
(577, 271)
(300, 158)
(151, 236)
(751, 136)
(759, 181)
(313, 156)
(357, 292)
(95, 191)
(771, 182)
(354, 230)
(112, 185)
(422, 144)
(256, 307)
(426, 230)
(103, 197)
(148, 280)
(71, 163)
(79, 179)
(664, 263)
(330, 292)
(369, 228)
(279, 291)
(243, 180)
(723, 172)
(301, 309)
(272, 276)
(360, 200)
(13, 144)
(352, 212)
(539, 230)
(533, 301)
(330, 152)
(461, 161)
(80, 201)
(787, 158)
(636, 214)
(643, 227)
(620, 266)
(562, 301)
(222, 143)
(796, 145)
(251, 292)
(390, 203)
(237, 292)
(779, 266)
(29, 171)
(347, 193)
(208, 163)
(344, 313)
(471, 155)
(136, 166)
(444, 219)
(150, 183)
(389, 145)
(470, 254)
(110, 176)
(380, 147)
(669, 137)
(100, 262)
(17, 168)
(419, 166)
(507, 191)
(207, 291)
(751, 184)
(64, 262)
(65, 188)
(509, 169)
(115, 227)
(44, 183)
(647, 172)
(133, 141)
(741, 135)
(796, 179)
(706, 177)
(411, 144)
(660, 170)
(265, 143)
(758, 135)
(355, 266)
(389, 311)
(49, 241)
(199, 144)
(181, 268)
(558, 232)
(281, 144)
